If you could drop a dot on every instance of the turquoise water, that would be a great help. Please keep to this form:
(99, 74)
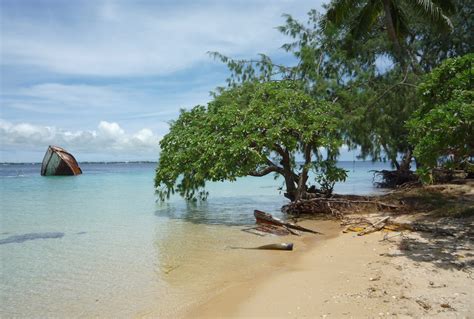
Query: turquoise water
(99, 244)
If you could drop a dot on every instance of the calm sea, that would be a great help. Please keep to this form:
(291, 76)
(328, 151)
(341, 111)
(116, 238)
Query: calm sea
(100, 244)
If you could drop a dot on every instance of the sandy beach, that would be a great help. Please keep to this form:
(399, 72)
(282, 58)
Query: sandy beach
(383, 274)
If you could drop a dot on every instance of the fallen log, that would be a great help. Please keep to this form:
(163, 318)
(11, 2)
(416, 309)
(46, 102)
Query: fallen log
(265, 218)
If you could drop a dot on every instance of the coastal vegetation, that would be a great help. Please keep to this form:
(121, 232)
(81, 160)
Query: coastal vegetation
(252, 130)
(442, 130)
(390, 79)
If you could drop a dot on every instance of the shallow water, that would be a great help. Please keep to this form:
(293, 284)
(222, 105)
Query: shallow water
(99, 244)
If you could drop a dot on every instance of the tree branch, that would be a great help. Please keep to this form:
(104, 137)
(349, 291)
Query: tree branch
(267, 170)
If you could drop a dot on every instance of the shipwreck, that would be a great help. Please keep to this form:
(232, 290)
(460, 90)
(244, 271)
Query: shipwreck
(58, 161)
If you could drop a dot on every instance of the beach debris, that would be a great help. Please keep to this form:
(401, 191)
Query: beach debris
(267, 224)
(265, 218)
(446, 305)
(263, 230)
(362, 226)
(169, 268)
(58, 161)
(423, 304)
(375, 227)
(278, 246)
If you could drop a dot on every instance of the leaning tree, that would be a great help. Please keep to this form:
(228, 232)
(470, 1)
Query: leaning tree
(253, 129)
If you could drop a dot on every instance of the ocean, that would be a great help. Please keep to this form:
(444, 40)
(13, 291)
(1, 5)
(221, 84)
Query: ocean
(100, 244)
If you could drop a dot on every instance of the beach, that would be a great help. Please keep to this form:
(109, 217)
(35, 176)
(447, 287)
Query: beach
(348, 276)
(100, 245)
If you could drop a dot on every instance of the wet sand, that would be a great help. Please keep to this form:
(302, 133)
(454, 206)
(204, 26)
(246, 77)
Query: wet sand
(208, 268)
(350, 277)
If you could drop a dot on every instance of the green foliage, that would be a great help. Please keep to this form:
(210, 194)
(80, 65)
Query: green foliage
(328, 174)
(337, 57)
(251, 129)
(443, 126)
(378, 110)
(447, 82)
(361, 17)
(431, 48)
(425, 175)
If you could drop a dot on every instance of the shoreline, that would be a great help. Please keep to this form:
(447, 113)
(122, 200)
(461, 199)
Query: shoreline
(352, 277)
(230, 268)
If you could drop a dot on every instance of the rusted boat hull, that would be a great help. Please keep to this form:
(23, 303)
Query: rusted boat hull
(57, 161)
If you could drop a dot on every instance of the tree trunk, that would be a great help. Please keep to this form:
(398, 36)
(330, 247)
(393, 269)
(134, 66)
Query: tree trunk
(291, 191)
(290, 183)
(393, 159)
(406, 161)
(392, 35)
(304, 173)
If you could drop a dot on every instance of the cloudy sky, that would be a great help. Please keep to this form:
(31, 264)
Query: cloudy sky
(103, 78)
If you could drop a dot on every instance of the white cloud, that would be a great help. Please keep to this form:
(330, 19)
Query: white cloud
(122, 38)
(109, 137)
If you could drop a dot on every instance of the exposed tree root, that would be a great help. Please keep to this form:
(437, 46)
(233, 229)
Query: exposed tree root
(338, 205)
(393, 179)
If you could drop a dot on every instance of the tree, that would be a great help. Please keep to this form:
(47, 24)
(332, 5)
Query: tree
(252, 129)
(371, 101)
(443, 126)
(384, 102)
(336, 64)
(432, 48)
(395, 16)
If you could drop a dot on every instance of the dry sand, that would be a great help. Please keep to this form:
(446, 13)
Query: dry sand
(404, 276)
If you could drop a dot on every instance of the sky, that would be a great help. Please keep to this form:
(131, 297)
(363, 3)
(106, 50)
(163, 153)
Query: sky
(104, 78)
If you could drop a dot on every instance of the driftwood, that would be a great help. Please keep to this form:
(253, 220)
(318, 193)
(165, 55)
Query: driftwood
(263, 230)
(265, 218)
(375, 227)
(291, 231)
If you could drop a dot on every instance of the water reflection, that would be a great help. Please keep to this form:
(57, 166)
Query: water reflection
(230, 211)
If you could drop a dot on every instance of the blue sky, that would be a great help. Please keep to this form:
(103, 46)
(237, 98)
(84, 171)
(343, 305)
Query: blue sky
(103, 78)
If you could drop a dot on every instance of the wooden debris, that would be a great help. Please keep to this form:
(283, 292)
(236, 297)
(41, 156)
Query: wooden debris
(423, 304)
(375, 227)
(263, 230)
(265, 218)
(293, 232)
